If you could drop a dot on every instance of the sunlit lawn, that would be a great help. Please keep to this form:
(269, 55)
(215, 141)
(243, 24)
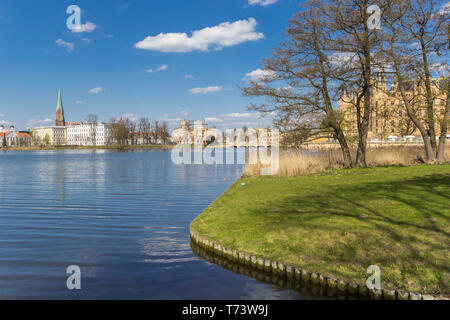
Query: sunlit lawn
(342, 222)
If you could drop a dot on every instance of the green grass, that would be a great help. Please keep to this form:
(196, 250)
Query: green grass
(340, 223)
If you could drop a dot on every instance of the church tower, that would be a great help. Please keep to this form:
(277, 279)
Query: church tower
(60, 122)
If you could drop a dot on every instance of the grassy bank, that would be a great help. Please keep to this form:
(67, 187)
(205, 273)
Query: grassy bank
(111, 147)
(339, 223)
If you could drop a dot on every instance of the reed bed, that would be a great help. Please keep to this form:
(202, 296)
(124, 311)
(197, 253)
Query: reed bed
(302, 162)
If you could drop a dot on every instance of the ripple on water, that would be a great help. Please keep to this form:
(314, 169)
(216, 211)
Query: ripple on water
(123, 217)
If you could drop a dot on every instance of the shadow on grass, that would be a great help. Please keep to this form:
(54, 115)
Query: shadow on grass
(400, 225)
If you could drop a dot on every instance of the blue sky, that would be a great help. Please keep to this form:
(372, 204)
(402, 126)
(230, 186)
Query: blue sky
(109, 69)
(165, 60)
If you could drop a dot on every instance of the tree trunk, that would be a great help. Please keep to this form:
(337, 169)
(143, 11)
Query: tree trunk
(363, 125)
(339, 133)
(444, 128)
(348, 163)
(430, 155)
(429, 97)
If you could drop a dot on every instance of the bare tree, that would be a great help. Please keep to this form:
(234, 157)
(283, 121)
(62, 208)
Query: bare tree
(444, 29)
(120, 131)
(144, 129)
(35, 139)
(155, 131)
(355, 48)
(304, 105)
(4, 145)
(164, 132)
(111, 131)
(414, 32)
(131, 127)
(46, 139)
(421, 27)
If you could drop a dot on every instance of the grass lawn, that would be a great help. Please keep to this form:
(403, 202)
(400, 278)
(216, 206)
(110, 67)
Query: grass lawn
(340, 223)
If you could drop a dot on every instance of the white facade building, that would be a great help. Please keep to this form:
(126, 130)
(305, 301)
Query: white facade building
(88, 135)
(13, 137)
(56, 136)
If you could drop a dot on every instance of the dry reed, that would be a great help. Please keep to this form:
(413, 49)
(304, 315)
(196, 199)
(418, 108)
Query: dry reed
(301, 162)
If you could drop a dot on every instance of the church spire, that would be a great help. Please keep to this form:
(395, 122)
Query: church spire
(60, 105)
(60, 122)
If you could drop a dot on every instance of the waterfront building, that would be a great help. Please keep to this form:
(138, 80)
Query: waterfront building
(70, 133)
(53, 135)
(88, 134)
(197, 132)
(50, 135)
(388, 117)
(14, 138)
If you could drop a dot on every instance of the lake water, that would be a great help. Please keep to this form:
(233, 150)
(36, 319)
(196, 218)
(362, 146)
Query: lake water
(122, 217)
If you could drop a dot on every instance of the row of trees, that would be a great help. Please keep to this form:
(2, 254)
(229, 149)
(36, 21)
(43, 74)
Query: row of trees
(332, 48)
(126, 131)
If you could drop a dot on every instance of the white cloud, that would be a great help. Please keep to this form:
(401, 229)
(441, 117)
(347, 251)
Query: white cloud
(173, 120)
(261, 2)
(79, 102)
(87, 27)
(205, 90)
(213, 119)
(189, 76)
(86, 40)
(184, 113)
(69, 45)
(260, 75)
(131, 116)
(160, 68)
(223, 35)
(2, 115)
(238, 120)
(36, 122)
(239, 115)
(96, 90)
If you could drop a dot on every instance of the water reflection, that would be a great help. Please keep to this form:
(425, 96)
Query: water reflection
(307, 289)
(123, 217)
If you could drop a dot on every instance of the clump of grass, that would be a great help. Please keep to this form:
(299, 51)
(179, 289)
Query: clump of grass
(303, 162)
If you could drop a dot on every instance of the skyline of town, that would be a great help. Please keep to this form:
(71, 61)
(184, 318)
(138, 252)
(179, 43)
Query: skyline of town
(164, 81)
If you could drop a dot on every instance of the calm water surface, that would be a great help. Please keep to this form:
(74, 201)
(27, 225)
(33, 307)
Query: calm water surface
(123, 217)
